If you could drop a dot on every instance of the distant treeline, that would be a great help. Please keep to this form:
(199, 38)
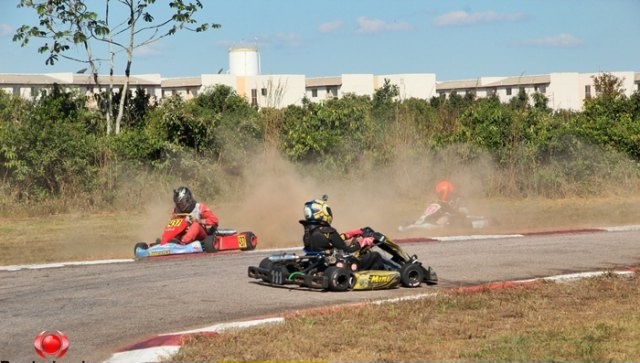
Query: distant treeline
(55, 148)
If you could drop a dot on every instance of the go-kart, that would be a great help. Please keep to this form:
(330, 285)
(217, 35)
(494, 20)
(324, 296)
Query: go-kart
(217, 239)
(335, 270)
(438, 215)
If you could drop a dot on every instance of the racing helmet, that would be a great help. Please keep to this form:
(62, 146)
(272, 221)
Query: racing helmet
(444, 189)
(183, 199)
(318, 210)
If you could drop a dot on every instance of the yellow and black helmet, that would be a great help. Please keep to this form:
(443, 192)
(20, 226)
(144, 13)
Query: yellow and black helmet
(318, 210)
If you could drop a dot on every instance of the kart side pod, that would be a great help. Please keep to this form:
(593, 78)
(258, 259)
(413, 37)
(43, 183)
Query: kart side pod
(375, 280)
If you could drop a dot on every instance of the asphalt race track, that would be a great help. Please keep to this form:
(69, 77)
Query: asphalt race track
(103, 307)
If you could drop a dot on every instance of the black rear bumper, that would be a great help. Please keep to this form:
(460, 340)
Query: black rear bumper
(278, 275)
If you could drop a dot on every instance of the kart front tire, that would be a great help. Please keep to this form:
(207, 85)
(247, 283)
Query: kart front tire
(411, 275)
(340, 279)
(142, 245)
(208, 244)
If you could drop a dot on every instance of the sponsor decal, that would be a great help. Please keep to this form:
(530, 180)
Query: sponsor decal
(242, 241)
(380, 279)
(159, 253)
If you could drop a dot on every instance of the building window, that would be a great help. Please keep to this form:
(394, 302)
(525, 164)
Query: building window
(314, 92)
(540, 89)
(263, 91)
(522, 90)
(587, 91)
(508, 91)
(254, 97)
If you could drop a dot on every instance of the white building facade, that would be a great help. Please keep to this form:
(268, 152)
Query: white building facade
(565, 91)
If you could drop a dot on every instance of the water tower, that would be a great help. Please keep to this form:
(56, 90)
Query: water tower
(244, 61)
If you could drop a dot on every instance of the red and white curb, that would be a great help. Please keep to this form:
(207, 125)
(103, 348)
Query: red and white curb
(163, 346)
(517, 235)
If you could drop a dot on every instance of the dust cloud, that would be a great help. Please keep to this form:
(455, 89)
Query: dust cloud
(274, 191)
(269, 198)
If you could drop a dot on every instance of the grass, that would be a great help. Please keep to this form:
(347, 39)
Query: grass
(594, 320)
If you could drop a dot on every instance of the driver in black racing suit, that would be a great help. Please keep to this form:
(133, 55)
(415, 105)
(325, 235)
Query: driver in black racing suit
(319, 235)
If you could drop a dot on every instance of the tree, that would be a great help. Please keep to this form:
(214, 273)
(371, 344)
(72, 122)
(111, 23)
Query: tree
(385, 95)
(70, 23)
(608, 87)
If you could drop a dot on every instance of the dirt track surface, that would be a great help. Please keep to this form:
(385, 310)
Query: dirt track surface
(102, 308)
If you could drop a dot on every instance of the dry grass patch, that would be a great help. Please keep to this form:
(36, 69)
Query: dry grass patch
(586, 321)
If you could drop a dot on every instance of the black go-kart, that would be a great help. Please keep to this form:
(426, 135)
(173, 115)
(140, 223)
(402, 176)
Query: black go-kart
(335, 270)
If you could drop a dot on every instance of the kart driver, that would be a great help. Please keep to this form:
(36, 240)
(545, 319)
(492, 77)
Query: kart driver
(449, 200)
(203, 219)
(446, 203)
(320, 236)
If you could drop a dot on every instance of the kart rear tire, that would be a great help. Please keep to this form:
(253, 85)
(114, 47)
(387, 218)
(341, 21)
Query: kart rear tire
(340, 279)
(266, 264)
(208, 244)
(252, 241)
(411, 275)
(142, 245)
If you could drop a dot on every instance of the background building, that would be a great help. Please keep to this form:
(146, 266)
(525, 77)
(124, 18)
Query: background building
(564, 90)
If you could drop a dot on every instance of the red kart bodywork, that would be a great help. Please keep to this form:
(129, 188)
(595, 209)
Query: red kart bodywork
(177, 226)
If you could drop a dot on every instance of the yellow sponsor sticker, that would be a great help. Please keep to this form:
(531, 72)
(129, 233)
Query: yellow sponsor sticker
(159, 253)
(242, 241)
(174, 222)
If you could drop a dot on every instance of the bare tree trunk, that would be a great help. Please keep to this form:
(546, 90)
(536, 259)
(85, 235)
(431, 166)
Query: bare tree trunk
(127, 72)
(110, 92)
(111, 65)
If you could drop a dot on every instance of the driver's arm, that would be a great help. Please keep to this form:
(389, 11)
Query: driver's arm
(208, 217)
(338, 242)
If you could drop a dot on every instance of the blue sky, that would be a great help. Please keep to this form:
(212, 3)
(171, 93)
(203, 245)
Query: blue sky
(453, 39)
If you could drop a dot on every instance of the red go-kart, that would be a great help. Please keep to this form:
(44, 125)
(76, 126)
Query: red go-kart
(217, 239)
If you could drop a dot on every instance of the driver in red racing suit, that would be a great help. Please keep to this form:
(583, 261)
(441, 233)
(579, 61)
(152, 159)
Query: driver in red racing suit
(319, 235)
(202, 218)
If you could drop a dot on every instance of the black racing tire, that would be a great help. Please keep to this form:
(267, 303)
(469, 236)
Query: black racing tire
(340, 279)
(266, 264)
(207, 244)
(142, 245)
(411, 275)
(252, 241)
